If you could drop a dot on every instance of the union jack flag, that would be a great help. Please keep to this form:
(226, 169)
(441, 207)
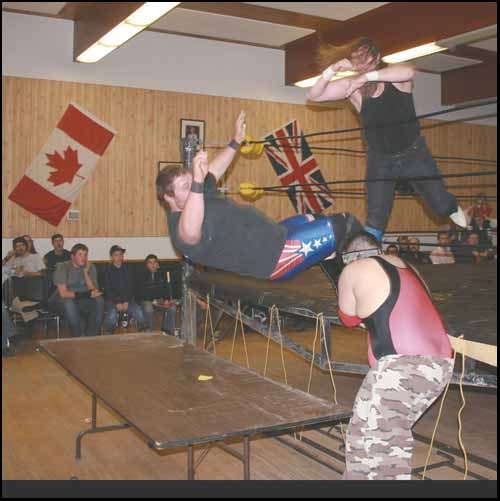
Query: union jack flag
(294, 163)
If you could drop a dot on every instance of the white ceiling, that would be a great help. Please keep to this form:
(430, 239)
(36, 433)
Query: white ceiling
(229, 28)
(339, 11)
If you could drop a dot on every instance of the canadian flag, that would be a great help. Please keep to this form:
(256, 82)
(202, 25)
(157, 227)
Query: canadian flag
(58, 173)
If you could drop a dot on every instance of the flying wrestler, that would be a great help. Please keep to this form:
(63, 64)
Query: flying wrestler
(409, 355)
(382, 95)
(211, 230)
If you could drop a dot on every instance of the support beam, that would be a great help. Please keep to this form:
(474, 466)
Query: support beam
(470, 83)
(394, 26)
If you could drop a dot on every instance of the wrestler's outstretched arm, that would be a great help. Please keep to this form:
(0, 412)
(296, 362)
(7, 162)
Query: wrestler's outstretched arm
(223, 160)
(324, 90)
(191, 220)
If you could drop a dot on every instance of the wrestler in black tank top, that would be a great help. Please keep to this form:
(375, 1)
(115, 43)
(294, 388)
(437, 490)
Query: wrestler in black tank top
(391, 107)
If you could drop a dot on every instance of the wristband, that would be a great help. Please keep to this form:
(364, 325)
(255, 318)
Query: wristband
(81, 295)
(372, 76)
(197, 187)
(328, 73)
(234, 144)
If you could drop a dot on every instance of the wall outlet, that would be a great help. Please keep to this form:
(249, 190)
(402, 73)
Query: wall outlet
(73, 215)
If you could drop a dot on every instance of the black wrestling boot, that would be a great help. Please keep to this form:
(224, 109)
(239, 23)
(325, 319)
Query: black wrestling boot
(344, 225)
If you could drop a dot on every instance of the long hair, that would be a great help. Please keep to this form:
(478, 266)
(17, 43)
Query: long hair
(361, 48)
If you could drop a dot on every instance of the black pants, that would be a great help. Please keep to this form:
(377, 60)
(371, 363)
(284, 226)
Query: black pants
(416, 161)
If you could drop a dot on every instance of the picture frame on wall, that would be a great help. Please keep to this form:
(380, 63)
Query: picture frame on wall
(192, 134)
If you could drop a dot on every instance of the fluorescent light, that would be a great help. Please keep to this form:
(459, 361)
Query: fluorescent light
(406, 55)
(311, 81)
(119, 34)
(94, 53)
(135, 23)
(150, 12)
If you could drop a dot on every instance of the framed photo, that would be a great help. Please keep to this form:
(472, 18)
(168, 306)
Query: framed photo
(192, 135)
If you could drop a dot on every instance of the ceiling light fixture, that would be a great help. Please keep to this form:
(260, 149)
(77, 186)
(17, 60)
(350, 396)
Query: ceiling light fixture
(140, 19)
(413, 53)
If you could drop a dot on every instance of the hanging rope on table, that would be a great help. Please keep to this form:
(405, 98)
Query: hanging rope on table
(207, 318)
(275, 312)
(239, 318)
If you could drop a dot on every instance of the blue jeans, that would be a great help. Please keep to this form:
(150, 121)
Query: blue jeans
(416, 161)
(168, 321)
(75, 311)
(7, 326)
(111, 315)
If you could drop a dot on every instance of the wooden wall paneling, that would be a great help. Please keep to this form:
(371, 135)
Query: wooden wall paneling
(119, 199)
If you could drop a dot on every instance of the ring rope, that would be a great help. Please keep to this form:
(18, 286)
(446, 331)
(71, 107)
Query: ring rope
(373, 180)
(356, 129)
(487, 161)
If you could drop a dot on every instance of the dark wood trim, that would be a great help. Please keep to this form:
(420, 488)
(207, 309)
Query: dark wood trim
(470, 83)
(267, 14)
(394, 27)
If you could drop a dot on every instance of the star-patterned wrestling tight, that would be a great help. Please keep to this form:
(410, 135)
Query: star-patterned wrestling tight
(308, 242)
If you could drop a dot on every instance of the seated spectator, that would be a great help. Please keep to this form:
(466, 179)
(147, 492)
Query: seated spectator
(414, 256)
(479, 208)
(392, 250)
(402, 242)
(58, 255)
(119, 292)
(442, 254)
(152, 290)
(31, 244)
(20, 263)
(471, 251)
(77, 296)
(482, 226)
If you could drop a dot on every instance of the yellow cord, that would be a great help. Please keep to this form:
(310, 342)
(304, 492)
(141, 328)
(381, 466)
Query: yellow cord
(312, 365)
(208, 317)
(460, 420)
(331, 371)
(458, 416)
(271, 317)
(269, 338)
(239, 317)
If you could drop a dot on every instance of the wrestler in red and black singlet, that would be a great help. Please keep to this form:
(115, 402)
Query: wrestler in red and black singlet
(407, 322)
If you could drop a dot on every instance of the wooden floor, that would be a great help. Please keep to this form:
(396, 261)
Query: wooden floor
(44, 408)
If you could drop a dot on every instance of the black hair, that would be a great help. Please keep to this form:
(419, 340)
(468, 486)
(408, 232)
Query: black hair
(78, 247)
(57, 235)
(361, 240)
(19, 240)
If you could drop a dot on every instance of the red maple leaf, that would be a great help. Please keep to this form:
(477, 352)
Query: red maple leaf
(66, 168)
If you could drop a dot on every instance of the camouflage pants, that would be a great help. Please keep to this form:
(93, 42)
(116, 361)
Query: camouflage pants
(391, 399)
